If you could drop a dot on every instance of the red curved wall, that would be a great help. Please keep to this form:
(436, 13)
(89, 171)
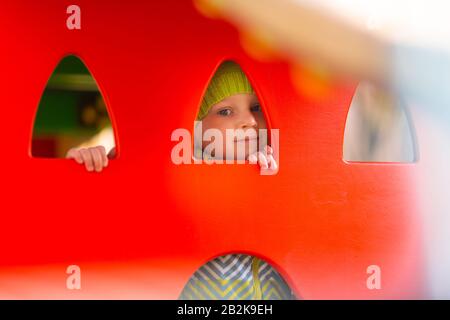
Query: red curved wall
(144, 225)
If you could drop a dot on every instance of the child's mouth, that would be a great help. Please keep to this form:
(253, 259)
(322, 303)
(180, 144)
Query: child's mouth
(246, 139)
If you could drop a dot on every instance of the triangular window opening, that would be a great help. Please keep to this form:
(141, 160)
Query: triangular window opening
(71, 114)
(229, 102)
(378, 128)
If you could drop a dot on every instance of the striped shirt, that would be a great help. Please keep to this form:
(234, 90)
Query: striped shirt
(236, 277)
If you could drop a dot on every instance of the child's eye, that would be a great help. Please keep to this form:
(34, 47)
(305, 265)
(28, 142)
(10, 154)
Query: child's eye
(224, 112)
(255, 108)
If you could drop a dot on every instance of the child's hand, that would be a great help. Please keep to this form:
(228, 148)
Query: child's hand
(93, 158)
(265, 160)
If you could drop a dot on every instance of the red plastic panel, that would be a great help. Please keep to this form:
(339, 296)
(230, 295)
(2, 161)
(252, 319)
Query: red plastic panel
(144, 225)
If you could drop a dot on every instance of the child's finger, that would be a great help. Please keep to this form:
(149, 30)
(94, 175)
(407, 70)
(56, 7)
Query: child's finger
(272, 163)
(102, 151)
(97, 159)
(74, 154)
(87, 158)
(262, 160)
(253, 158)
(268, 150)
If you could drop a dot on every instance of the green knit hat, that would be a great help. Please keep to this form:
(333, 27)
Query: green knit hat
(228, 80)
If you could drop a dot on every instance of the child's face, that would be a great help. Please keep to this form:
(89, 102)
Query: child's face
(240, 111)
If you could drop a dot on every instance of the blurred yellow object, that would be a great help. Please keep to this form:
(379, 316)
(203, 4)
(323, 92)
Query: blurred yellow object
(312, 81)
(259, 46)
(303, 33)
(207, 8)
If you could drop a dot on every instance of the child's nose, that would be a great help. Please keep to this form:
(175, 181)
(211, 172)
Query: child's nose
(248, 121)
